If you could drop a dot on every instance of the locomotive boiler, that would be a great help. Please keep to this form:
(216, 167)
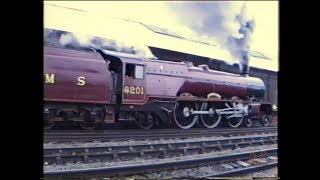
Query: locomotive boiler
(92, 86)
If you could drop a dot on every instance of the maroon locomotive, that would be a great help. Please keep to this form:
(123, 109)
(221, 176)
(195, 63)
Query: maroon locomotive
(92, 86)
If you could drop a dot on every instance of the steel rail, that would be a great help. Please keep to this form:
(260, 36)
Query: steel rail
(113, 152)
(133, 169)
(241, 171)
(142, 135)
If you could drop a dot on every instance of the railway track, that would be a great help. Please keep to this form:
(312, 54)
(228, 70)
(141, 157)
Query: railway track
(143, 168)
(62, 155)
(113, 135)
(241, 171)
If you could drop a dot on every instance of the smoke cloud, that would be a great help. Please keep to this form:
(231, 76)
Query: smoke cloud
(226, 22)
(87, 29)
(64, 39)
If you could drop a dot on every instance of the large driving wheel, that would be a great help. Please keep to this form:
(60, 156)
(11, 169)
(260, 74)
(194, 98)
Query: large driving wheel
(210, 120)
(235, 121)
(145, 120)
(183, 116)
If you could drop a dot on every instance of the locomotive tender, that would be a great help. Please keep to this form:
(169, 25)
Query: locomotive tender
(92, 86)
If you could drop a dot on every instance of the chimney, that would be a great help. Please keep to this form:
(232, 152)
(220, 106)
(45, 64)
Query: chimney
(245, 70)
(244, 63)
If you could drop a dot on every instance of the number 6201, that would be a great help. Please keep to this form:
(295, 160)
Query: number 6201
(133, 90)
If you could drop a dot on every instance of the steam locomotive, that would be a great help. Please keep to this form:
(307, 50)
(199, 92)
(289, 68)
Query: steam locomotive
(93, 86)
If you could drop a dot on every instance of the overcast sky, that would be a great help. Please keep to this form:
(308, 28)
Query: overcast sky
(265, 13)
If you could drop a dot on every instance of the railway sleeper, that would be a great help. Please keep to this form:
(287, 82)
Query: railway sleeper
(107, 156)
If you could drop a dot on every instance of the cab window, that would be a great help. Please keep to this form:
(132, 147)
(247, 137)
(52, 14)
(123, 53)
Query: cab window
(134, 71)
(139, 72)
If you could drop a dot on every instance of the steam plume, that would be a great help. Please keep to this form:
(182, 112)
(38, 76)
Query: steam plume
(227, 22)
(67, 39)
(81, 28)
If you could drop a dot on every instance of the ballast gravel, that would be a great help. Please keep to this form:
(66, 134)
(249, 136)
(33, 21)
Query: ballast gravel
(136, 161)
(146, 142)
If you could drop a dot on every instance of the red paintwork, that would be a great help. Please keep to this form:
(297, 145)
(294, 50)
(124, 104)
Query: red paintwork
(255, 109)
(68, 65)
(162, 79)
(177, 78)
(131, 82)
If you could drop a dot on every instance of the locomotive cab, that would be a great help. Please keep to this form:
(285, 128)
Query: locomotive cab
(129, 77)
(134, 84)
(115, 67)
